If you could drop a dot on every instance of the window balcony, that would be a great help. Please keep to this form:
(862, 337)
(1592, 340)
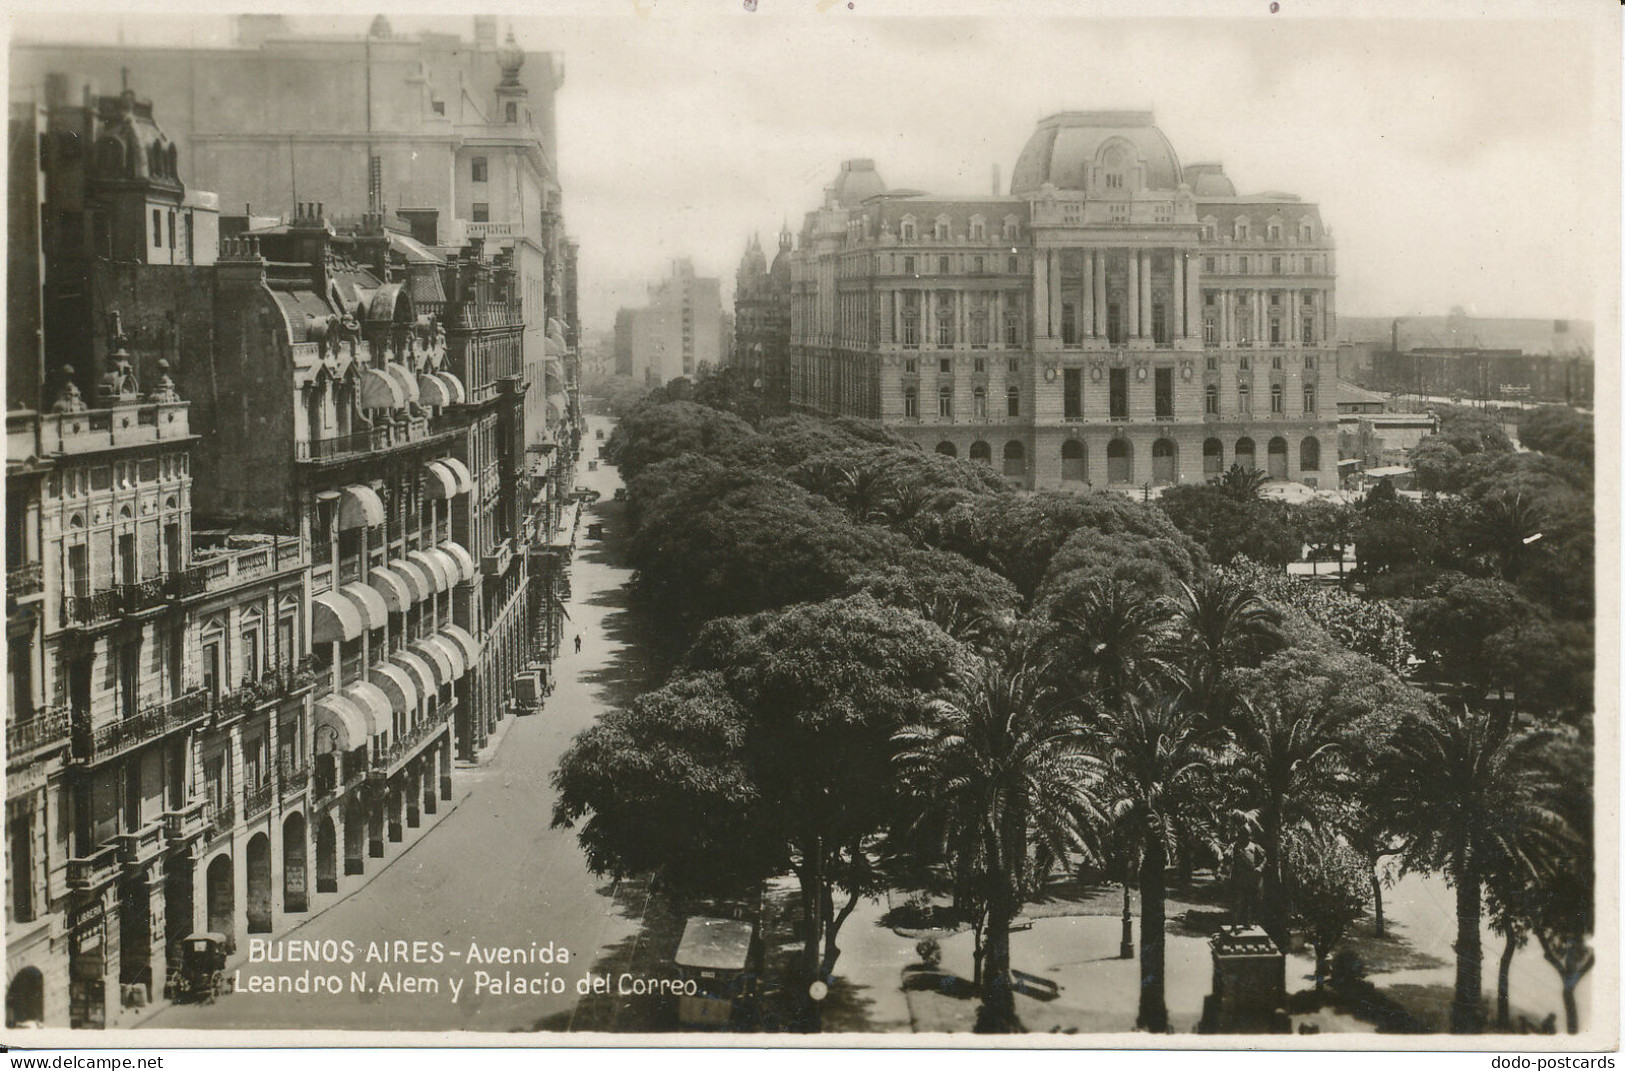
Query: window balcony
(219, 819)
(93, 746)
(25, 580)
(136, 850)
(123, 600)
(257, 799)
(186, 823)
(381, 439)
(386, 762)
(95, 870)
(45, 729)
(292, 782)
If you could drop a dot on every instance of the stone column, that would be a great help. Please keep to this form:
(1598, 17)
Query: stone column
(1224, 316)
(1133, 325)
(1100, 293)
(1193, 292)
(1041, 293)
(1145, 293)
(1086, 324)
(996, 328)
(1292, 315)
(1178, 281)
(1054, 294)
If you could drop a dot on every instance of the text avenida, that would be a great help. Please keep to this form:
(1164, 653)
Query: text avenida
(261, 950)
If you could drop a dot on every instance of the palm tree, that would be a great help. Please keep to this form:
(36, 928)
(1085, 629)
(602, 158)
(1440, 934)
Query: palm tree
(1240, 482)
(1110, 637)
(1221, 625)
(1155, 761)
(1286, 766)
(1471, 794)
(999, 775)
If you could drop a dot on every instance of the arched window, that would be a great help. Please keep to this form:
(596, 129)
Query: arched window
(1309, 454)
(978, 229)
(940, 230)
(1114, 167)
(947, 449)
(909, 229)
(1164, 461)
(1212, 457)
(1277, 458)
(1074, 462)
(981, 451)
(1119, 461)
(1246, 453)
(1015, 458)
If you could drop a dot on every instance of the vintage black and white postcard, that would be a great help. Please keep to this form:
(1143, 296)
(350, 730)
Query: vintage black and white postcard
(813, 523)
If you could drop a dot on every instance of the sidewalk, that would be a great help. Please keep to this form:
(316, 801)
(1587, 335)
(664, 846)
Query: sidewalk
(349, 884)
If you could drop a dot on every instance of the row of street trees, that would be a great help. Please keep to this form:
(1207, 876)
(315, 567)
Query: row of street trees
(902, 673)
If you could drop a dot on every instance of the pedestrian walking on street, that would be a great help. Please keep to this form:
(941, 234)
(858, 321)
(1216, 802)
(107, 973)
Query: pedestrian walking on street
(578, 644)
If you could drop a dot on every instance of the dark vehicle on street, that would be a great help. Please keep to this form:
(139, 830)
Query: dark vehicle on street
(595, 530)
(716, 963)
(531, 687)
(200, 973)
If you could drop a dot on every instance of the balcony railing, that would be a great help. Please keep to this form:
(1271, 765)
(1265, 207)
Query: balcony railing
(387, 760)
(185, 823)
(278, 683)
(138, 848)
(234, 567)
(134, 598)
(96, 869)
(45, 728)
(384, 437)
(257, 799)
(219, 819)
(25, 580)
(160, 719)
(292, 782)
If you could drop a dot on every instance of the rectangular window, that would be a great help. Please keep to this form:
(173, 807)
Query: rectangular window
(1275, 265)
(1073, 394)
(1119, 213)
(978, 400)
(911, 365)
(945, 403)
(172, 230)
(129, 679)
(1069, 323)
(911, 403)
(1275, 399)
(1208, 264)
(1244, 398)
(157, 229)
(1012, 329)
(979, 366)
(478, 169)
(79, 570)
(978, 265)
(1210, 333)
(945, 365)
(1165, 394)
(911, 331)
(211, 669)
(1308, 336)
(942, 265)
(1114, 323)
(1012, 401)
(1210, 401)
(1119, 394)
(908, 265)
(1014, 265)
(1241, 266)
(945, 331)
(482, 212)
(1212, 363)
(1308, 397)
(1014, 366)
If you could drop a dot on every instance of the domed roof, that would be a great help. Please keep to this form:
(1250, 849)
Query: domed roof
(1065, 145)
(1209, 180)
(857, 182)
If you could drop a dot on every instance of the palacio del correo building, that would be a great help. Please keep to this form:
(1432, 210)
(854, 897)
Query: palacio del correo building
(1116, 319)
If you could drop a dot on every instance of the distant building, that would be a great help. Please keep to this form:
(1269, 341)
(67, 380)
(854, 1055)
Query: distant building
(1471, 358)
(1117, 319)
(762, 320)
(1371, 434)
(679, 330)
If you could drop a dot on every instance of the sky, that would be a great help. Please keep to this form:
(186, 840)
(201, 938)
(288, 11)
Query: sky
(1457, 161)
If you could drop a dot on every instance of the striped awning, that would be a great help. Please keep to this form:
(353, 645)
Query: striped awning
(464, 641)
(334, 618)
(437, 658)
(464, 560)
(465, 479)
(341, 725)
(360, 507)
(404, 379)
(374, 704)
(422, 674)
(453, 654)
(433, 567)
(454, 571)
(374, 611)
(416, 578)
(558, 405)
(454, 385)
(397, 593)
(439, 481)
(380, 390)
(397, 685)
(432, 390)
